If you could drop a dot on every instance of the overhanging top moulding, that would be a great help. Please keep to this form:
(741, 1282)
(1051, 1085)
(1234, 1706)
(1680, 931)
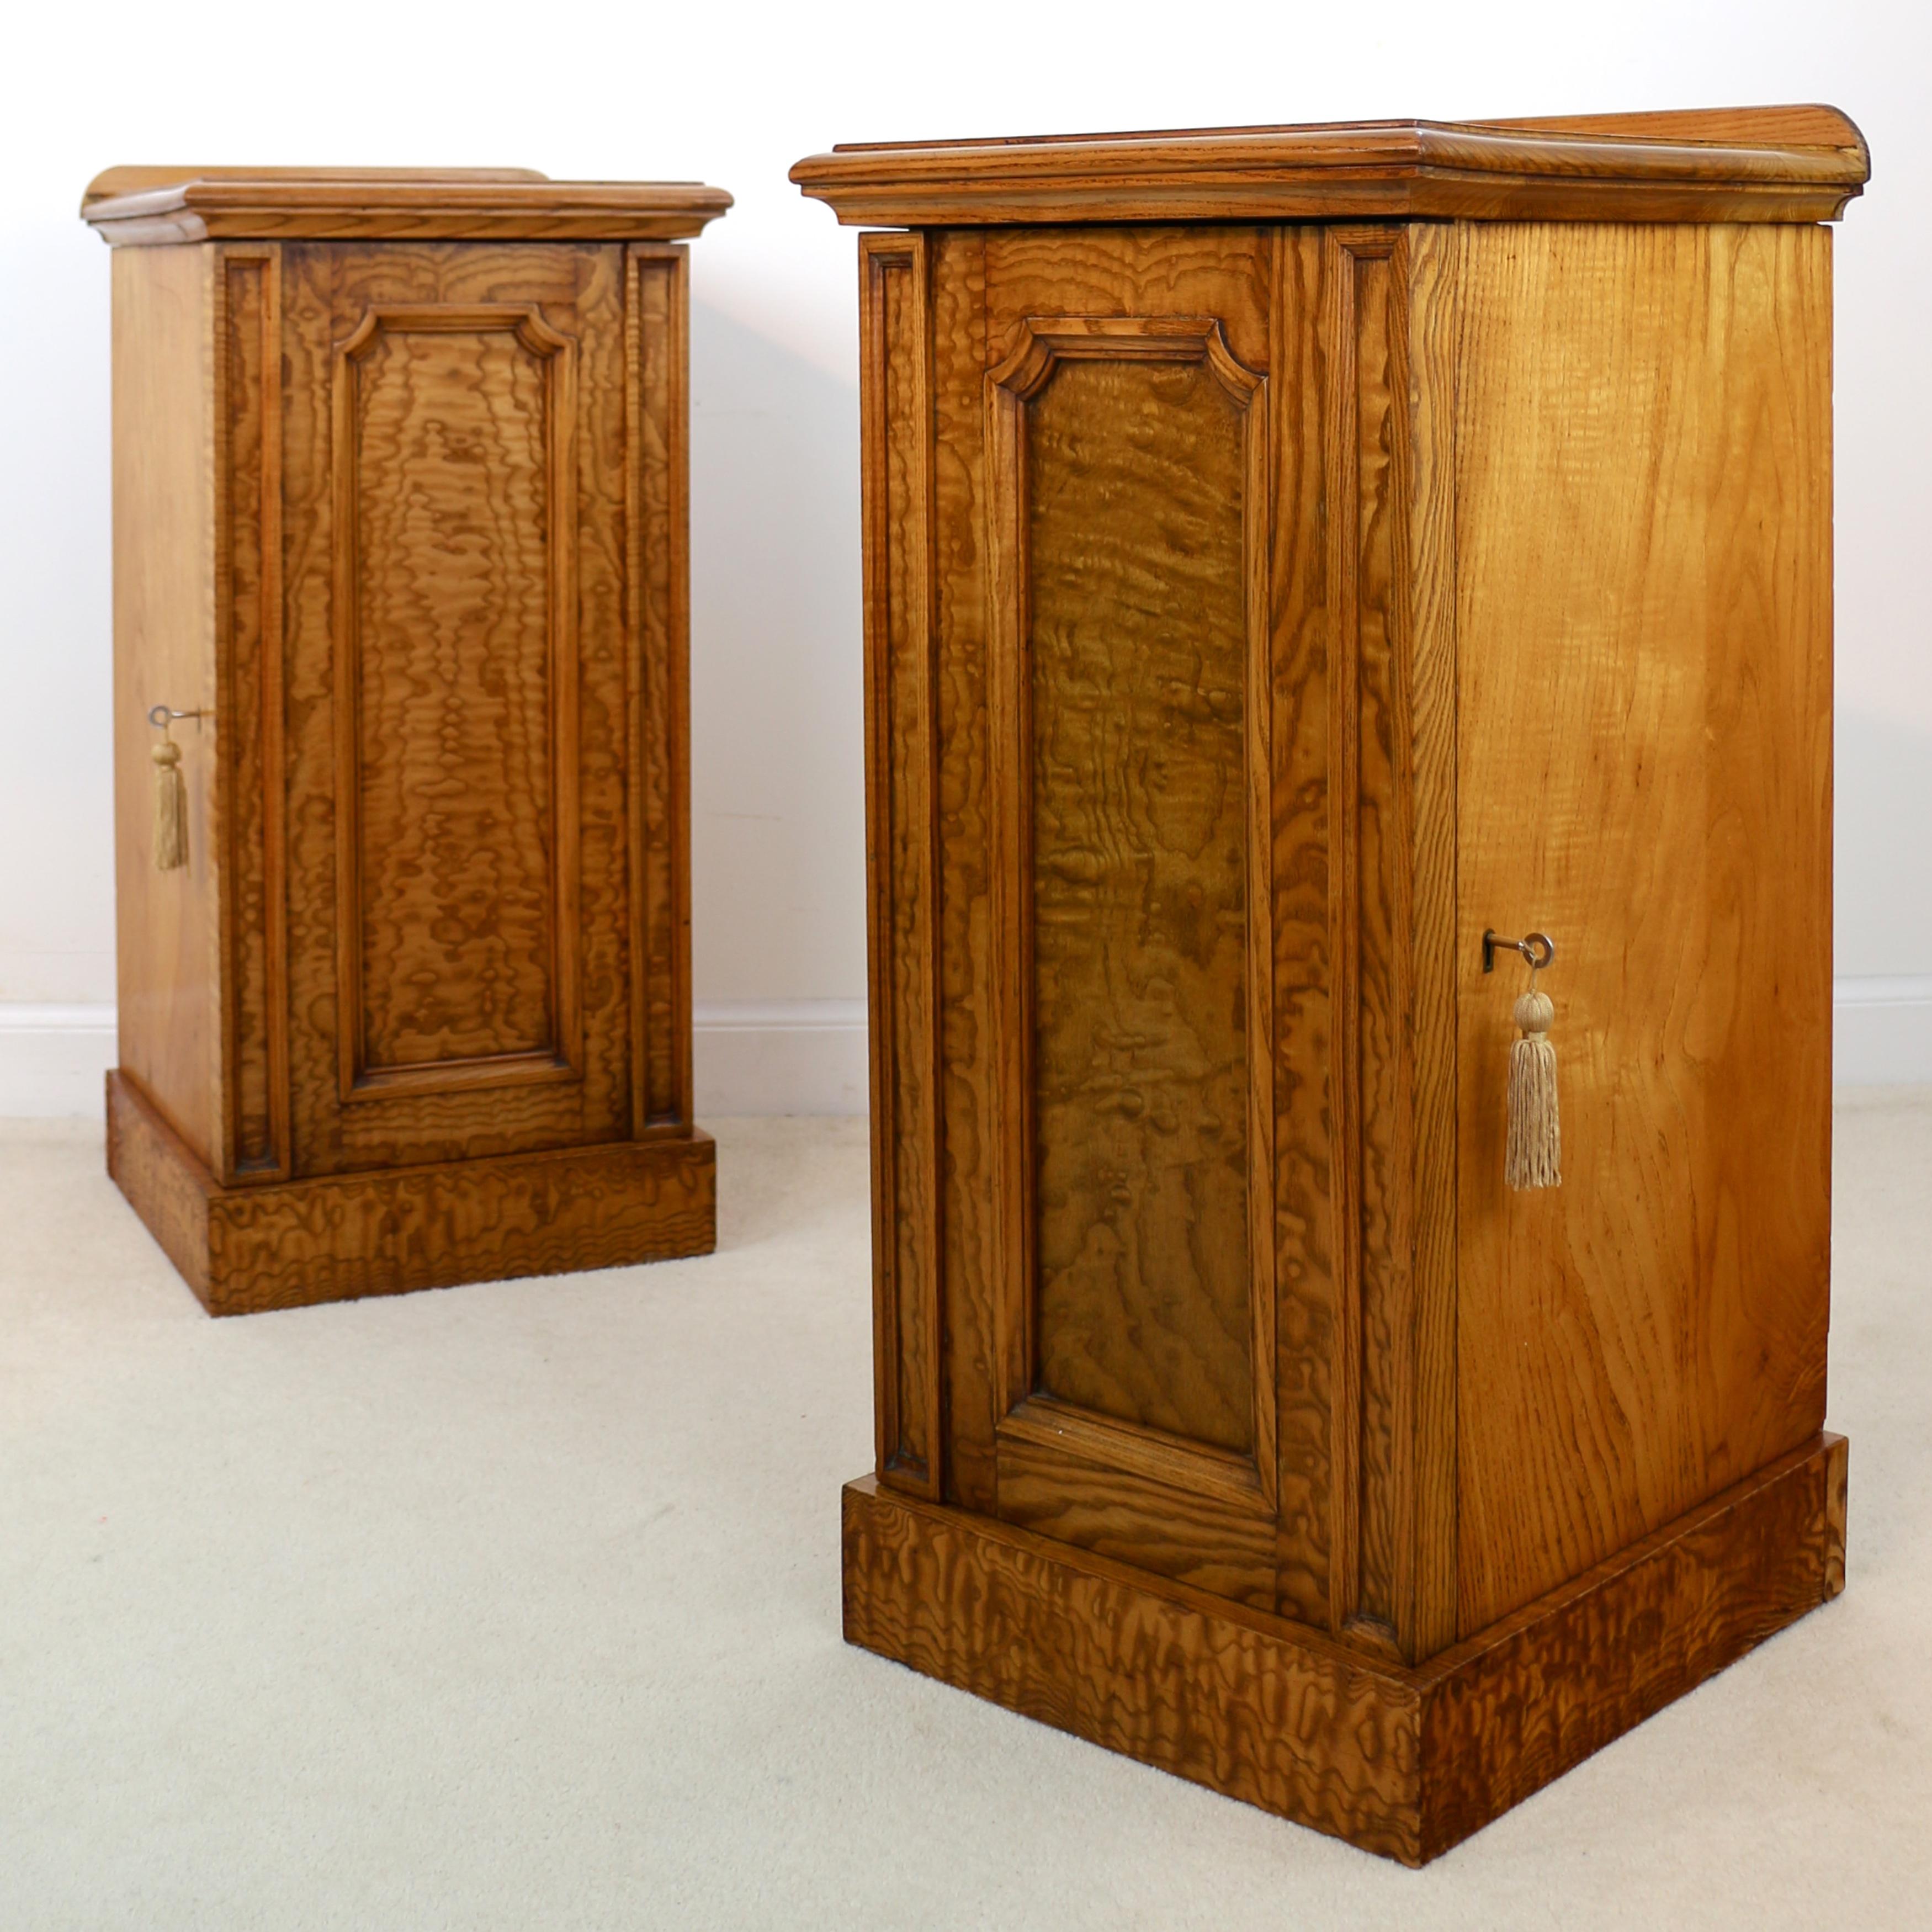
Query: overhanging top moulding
(1795, 163)
(143, 206)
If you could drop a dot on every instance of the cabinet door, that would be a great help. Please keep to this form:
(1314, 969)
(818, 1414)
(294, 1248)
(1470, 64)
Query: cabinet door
(457, 518)
(1157, 791)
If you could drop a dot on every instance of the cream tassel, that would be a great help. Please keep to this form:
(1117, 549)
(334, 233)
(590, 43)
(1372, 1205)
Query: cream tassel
(1534, 1158)
(170, 808)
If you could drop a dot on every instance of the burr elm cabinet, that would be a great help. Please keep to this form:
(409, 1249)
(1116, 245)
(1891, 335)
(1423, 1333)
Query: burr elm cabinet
(399, 511)
(1292, 553)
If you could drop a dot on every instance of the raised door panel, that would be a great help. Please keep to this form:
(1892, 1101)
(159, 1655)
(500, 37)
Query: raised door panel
(1127, 548)
(458, 700)
(1137, 658)
(455, 661)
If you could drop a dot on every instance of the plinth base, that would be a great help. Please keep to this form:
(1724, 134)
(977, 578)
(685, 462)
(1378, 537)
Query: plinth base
(1406, 1762)
(285, 1244)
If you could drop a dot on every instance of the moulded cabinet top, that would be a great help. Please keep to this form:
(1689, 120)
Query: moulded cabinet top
(1717, 164)
(142, 206)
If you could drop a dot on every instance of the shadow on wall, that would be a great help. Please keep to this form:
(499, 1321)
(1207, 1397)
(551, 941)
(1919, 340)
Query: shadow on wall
(778, 817)
(1882, 839)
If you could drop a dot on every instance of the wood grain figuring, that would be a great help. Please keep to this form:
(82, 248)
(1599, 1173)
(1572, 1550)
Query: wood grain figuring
(1381, 842)
(1302, 1237)
(1523, 1702)
(147, 207)
(1776, 164)
(656, 471)
(973, 1145)
(1137, 650)
(1111, 1487)
(1801, 125)
(1427, 567)
(168, 925)
(1114, 286)
(111, 184)
(1390, 575)
(1368, 758)
(248, 579)
(452, 1112)
(1107, 296)
(1644, 511)
(1130, 274)
(289, 1245)
(1403, 1760)
(1836, 1504)
(900, 756)
(1229, 1697)
(455, 490)
(1200, 1420)
(157, 1172)
(1181, 1462)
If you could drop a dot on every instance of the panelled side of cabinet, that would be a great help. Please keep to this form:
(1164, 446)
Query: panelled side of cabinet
(168, 931)
(656, 482)
(900, 758)
(248, 600)
(1644, 506)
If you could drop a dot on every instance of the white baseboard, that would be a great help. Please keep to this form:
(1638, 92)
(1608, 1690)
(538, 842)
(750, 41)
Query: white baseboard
(752, 1057)
(53, 1061)
(1882, 1030)
(779, 1057)
(808, 1056)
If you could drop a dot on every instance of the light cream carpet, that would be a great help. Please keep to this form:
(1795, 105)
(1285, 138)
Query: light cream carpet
(518, 1606)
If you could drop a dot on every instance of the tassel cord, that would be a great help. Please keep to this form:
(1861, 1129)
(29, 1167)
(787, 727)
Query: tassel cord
(1533, 1154)
(170, 808)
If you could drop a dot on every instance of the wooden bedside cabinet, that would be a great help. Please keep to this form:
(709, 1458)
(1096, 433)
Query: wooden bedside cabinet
(399, 515)
(1293, 554)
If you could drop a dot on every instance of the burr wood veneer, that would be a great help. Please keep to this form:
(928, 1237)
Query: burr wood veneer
(1290, 552)
(399, 506)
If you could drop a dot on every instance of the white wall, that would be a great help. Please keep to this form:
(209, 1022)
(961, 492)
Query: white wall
(734, 95)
